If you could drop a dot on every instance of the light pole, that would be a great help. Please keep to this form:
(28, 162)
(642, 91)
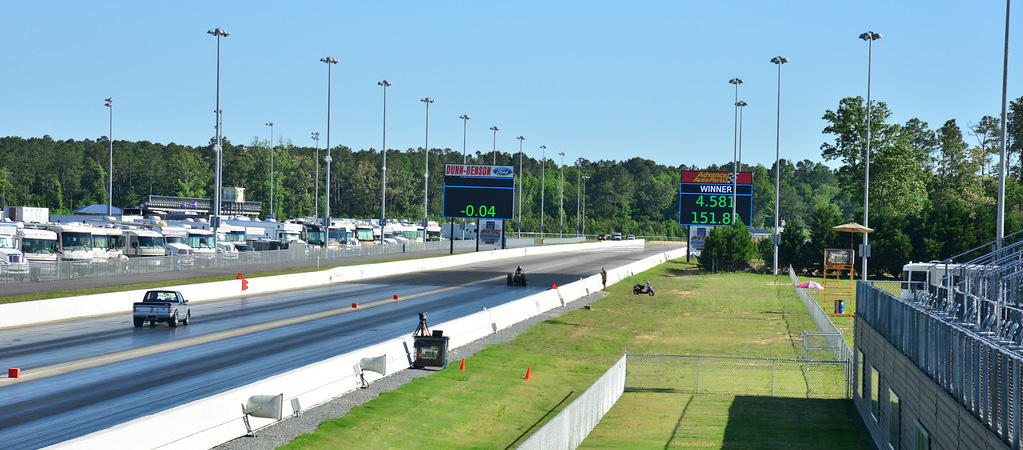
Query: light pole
(735, 140)
(271, 125)
(383, 175)
(218, 147)
(1000, 225)
(495, 129)
(584, 178)
(426, 165)
(735, 199)
(777, 164)
(578, 197)
(316, 189)
(110, 137)
(561, 198)
(520, 138)
(465, 123)
(326, 188)
(543, 185)
(870, 37)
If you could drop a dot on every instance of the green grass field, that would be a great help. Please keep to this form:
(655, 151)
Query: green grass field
(490, 405)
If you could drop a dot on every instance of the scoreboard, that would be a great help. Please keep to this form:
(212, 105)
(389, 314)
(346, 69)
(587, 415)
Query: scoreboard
(707, 198)
(479, 192)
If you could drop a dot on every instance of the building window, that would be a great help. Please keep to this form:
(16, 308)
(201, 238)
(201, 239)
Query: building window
(874, 380)
(921, 438)
(894, 417)
(861, 388)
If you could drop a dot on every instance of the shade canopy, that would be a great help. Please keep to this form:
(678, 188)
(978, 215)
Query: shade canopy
(852, 227)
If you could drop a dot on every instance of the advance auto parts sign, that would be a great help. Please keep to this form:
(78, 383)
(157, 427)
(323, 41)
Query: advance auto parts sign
(708, 198)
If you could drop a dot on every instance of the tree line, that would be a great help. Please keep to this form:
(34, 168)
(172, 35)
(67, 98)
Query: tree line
(932, 191)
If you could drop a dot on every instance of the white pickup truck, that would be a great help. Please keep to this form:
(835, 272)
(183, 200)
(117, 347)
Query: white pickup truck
(161, 306)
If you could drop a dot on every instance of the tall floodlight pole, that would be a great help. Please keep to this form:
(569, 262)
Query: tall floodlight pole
(543, 185)
(1000, 225)
(326, 188)
(776, 239)
(735, 199)
(520, 138)
(383, 174)
(426, 165)
(870, 37)
(584, 178)
(218, 147)
(316, 189)
(110, 137)
(561, 198)
(465, 123)
(495, 129)
(578, 193)
(271, 125)
(735, 141)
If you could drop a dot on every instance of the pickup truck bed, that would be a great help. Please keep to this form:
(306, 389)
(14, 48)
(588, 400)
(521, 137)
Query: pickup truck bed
(162, 306)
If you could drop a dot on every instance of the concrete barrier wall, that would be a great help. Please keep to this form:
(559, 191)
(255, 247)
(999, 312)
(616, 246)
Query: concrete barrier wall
(25, 313)
(214, 420)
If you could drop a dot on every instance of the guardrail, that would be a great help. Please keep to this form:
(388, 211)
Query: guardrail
(23, 313)
(217, 419)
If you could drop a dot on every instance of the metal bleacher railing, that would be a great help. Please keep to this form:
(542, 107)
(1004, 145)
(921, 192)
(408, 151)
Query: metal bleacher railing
(964, 329)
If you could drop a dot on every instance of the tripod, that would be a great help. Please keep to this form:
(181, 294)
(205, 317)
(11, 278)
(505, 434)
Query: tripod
(422, 329)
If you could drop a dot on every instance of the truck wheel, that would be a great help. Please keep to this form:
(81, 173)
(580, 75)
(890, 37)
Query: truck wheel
(173, 321)
(187, 316)
(138, 322)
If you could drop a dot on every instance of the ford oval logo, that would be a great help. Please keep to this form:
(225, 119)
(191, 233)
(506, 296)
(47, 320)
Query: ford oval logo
(502, 171)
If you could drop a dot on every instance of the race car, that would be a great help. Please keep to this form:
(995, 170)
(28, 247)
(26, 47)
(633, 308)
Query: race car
(518, 278)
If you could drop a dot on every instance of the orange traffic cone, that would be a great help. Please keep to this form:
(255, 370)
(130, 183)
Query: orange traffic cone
(462, 366)
(238, 277)
(554, 286)
(528, 369)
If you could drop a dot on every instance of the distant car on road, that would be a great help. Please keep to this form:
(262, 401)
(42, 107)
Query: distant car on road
(602, 237)
(630, 237)
(616, 236)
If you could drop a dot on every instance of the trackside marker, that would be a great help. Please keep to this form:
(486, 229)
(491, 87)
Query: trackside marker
(14, 372)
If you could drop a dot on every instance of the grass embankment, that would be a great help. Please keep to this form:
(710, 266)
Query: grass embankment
(490, 405)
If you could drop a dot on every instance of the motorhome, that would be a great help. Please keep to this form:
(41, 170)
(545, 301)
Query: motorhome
(108, 243)
(74, 242)
(175, 240)
(918, 278)
(40, 249)
(202, 242)
(432, 231)
(141, 242)
(365, 233)
(313, 234)
(342, 232)
(12, 260)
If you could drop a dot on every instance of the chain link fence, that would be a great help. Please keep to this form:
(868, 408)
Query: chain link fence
(733, 375)
(69, 270)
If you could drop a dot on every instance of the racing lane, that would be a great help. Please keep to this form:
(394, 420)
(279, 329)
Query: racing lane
(234, 342)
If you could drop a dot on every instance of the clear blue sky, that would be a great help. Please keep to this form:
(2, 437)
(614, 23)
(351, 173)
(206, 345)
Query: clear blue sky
(594, 79)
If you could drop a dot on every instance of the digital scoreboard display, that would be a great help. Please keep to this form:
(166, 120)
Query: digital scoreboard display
(706, 198)
(479, 192)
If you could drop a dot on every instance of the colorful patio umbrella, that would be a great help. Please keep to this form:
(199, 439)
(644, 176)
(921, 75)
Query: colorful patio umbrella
(810, 285)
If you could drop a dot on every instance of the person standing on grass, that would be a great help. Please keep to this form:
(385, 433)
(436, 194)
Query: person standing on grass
(603, 277)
